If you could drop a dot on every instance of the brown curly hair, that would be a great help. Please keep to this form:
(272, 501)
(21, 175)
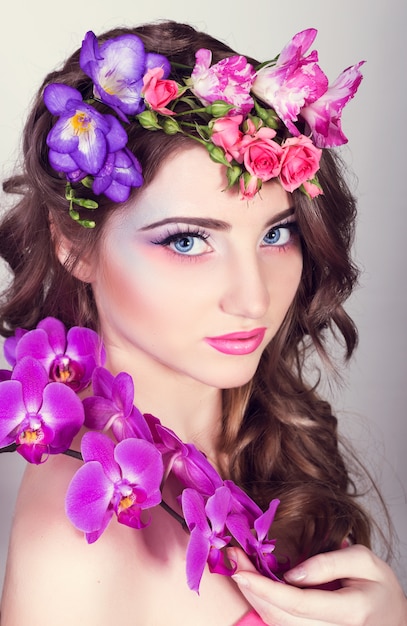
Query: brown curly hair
(279, 438)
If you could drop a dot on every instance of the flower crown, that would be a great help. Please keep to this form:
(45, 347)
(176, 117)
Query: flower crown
(261, 123)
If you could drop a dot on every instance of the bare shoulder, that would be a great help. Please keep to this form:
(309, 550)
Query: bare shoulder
(51, 569)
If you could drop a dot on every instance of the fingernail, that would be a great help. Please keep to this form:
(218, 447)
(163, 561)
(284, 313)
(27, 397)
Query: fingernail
(241, 580)
(232, 554)
(296, 575)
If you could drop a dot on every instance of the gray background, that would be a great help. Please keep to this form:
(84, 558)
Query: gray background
(371, 404)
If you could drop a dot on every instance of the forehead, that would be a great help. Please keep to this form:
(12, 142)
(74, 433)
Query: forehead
(190, 184)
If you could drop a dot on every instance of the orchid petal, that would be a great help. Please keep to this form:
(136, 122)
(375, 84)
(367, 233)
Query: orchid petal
(88, 498)
(56, 333)
(196, 557)
(12, 410)
(98, 447)
(62, 410)
(34, 378)
(141, 464)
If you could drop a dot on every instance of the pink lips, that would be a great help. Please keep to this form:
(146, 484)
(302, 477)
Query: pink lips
(238, 343)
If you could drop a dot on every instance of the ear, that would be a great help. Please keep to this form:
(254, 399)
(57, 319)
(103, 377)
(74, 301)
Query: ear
(82, 268)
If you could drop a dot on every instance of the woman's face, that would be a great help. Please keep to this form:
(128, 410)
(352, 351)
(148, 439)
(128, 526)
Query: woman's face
(192, 281)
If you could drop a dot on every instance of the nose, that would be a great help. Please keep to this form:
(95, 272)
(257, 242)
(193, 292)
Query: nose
(246, 291)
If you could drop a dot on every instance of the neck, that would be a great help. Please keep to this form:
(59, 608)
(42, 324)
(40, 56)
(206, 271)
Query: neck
(190, 408)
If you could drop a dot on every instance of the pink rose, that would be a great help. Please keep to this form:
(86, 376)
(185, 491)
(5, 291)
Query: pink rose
(227, 135)
(157, 93)
(229, 80)
(261, 154)
(299, 162)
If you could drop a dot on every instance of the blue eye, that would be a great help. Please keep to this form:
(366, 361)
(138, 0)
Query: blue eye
(186, 243)
(279, 235)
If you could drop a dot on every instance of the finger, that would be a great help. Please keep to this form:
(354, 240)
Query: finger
(239, 558)
(336, 565)
(272, 599)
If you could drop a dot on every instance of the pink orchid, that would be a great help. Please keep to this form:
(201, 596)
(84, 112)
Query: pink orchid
(324, 116)
(41, 417)
(157, 92)
(123, 479)
(68, 356)
(206, 522)
(229, 80)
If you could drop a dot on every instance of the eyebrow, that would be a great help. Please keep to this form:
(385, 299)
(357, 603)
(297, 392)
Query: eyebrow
(207, 222)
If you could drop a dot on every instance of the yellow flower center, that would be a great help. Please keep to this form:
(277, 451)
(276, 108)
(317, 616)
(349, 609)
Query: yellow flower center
(29, 436)
(126, 502)
(81, 123)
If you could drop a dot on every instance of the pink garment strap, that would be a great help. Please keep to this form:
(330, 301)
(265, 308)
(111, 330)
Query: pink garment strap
(250, 619)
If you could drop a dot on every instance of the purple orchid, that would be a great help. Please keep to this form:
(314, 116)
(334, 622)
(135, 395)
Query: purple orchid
(206, 523)
(257, 545)
(120, 173)
(111, 406)
(10, 345)
(187, 463)
(117, 68)
(69, 358)
(324, 116)
(229, 80)
(5, 375)
(123, 479)
(40, 417)
(82, 137)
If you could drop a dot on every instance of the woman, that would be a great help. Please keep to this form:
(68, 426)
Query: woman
(210, 304)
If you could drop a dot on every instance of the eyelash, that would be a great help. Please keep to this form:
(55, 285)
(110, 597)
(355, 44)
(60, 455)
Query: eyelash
(172, 237)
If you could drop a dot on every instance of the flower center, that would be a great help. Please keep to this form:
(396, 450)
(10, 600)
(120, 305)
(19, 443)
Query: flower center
(81, 123)
(66, 370)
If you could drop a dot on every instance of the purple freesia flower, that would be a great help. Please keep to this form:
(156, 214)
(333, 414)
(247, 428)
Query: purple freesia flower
(41, 417)
(111, 406)
(82, 137)
(116, 68)
(69, 358)
(256, 544)
(123, 479)
(187, 463)
(324, 116)
(229, 80)
(120, 172)
(206, 523)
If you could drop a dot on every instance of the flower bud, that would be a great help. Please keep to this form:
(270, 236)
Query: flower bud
(148, 120)
(219, 108)
(233, 174)
(170, 126)
(268, 116)
(217, 154)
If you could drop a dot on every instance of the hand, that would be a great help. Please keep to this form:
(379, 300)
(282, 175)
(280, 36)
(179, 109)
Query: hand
(370, 594)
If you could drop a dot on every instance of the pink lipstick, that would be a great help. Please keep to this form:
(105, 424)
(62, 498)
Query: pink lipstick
(238, 343)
